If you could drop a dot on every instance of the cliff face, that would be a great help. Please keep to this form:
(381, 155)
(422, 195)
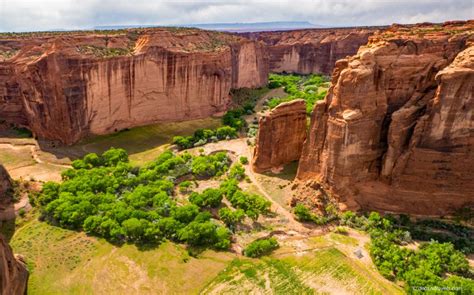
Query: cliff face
(280, 136)
(5, 184)
(311, 50)
(395, 132)
(13, 272)
(7, 211)
(65, 87)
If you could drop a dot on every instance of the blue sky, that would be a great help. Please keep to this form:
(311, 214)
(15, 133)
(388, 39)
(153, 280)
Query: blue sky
(31, 15)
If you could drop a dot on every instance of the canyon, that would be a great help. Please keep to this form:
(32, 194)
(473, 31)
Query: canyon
(395, 131)
(393, 134)
(311, 50)
(68, 86)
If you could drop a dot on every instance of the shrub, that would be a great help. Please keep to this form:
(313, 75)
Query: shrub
(185, 186)
(341, 230)
(113, 156)
(22, 212)
(261, 247)
(207, 166)
(237, 172)
(208, 198)
(303, 213)
(252, 204)
(226, 132)
(244, 160)
(231, 217)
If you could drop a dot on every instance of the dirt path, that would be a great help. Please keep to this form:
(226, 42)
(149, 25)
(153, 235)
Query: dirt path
(239, 147)
(259, 106)
(34, 153)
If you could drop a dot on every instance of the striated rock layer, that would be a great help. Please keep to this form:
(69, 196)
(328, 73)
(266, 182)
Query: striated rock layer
(396, 131)
(280, 136)
(67, 86)
(311, 50)
(13, 272)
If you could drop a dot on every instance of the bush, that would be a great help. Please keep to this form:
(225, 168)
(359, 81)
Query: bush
(237, 172)
(244, 160)
(22, 212)
(208, 198)
(226, 132)
(341, 230)
(185, 186)
(261, 247)
(233, 119)
(207, 166)
(231, 217)
(114, 156)
(252, 204)
(302, 213)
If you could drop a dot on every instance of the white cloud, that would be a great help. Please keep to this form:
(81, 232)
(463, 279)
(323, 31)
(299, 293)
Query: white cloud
(25, 15)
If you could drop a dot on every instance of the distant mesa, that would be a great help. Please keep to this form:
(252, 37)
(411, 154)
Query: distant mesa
(229, 27)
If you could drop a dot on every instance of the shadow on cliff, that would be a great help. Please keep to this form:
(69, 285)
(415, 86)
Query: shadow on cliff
(135, 140)
(7, 228)
(288, 173)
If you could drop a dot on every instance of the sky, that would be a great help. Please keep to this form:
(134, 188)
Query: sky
(38, 15)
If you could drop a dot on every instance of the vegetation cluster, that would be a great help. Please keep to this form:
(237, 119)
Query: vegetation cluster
(439, 263)
(232, 121)
(261, 247)
(298, 87)
(107, 197)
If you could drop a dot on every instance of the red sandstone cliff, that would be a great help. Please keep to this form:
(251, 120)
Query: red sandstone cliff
(5, 185)
(280, 136)
(70, 85)
(13, 272)
(311, 50)
(396, 130)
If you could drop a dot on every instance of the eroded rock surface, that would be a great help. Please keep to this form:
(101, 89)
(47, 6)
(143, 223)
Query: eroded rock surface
(395, 132)
(6, 187)
(280, 136)
(67, 86)
(13, 272)
(311, 50)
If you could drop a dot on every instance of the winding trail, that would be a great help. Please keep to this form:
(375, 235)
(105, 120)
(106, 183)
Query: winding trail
(239, 147)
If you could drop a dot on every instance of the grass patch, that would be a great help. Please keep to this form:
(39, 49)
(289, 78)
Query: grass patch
(325, 271)
(344, 239)
(68, 262)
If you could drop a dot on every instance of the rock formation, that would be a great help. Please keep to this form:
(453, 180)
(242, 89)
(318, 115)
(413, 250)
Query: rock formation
(5, 184)
(66, 86)
(311, 50)
(13, 272)
(396, 130)
(7, 210)
(280, 136)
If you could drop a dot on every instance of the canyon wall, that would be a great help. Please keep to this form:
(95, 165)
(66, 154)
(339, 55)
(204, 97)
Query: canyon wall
(7, 210)
(5, 184)
(13, 272)
(67, 86)
(311, 50)
(396, 130)
(280, 137)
